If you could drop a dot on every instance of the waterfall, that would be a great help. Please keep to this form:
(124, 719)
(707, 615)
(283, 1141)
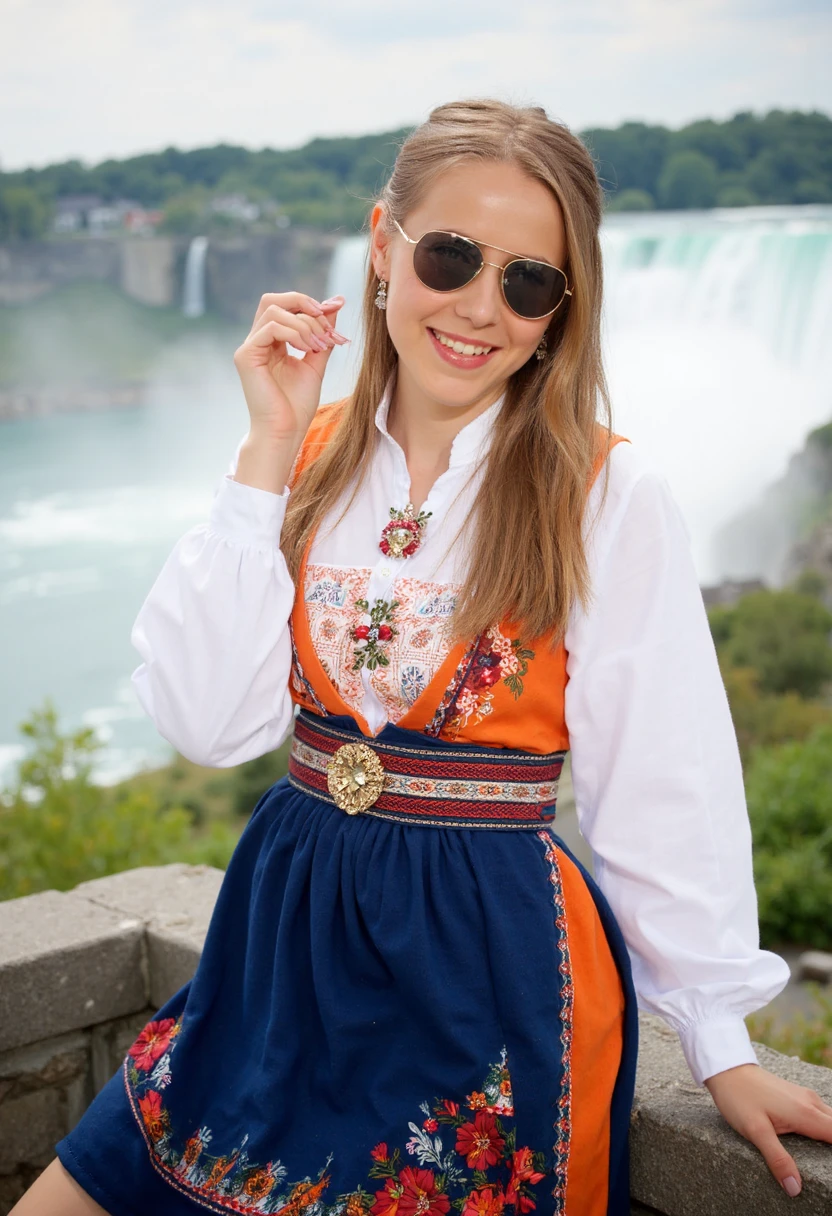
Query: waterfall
(716, 333)
(193, 291)
(346, 278)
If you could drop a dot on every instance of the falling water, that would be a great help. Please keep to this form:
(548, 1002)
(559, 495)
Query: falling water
(716, 333)
(193, 291)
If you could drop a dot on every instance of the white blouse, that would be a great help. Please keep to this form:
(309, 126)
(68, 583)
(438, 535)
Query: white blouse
(655, 767)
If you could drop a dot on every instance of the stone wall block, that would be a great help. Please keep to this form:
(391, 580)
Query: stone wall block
(66, 963)
(176, 903)
(30, 1127)
(685, 1158)
(110, 1043)
(54, 1063)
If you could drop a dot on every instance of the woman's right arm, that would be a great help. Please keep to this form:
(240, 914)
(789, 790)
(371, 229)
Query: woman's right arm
(213, 631)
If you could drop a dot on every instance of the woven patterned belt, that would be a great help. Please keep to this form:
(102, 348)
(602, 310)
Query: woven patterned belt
(454, 786)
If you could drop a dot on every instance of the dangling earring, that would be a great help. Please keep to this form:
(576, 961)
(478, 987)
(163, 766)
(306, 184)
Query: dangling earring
(381, 295)
(540, 353)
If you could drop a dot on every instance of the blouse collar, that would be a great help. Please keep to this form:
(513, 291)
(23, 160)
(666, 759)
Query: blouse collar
(470, 443)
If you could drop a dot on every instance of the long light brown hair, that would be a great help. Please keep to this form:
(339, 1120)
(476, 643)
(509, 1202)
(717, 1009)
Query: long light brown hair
(527, 562)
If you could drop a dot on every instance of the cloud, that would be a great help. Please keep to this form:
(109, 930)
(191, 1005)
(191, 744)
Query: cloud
(98, 78)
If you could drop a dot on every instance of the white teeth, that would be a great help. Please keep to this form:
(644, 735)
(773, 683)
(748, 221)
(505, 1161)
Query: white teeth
(461, 348)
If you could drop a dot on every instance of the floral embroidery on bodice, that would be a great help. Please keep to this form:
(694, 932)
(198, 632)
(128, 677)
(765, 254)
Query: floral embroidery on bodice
(416, 652)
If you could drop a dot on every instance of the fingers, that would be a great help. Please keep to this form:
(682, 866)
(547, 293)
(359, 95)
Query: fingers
(816, 1123)
(781, 1164)
(817, 1101)
(304, 332)
(291, 301)
(299, 303)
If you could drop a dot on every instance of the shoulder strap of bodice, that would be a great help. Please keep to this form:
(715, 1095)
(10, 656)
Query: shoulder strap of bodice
(605, 441)
(317, 437)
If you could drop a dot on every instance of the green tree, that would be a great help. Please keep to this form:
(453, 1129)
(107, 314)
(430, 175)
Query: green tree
(184, 214)
(59, 828)
(629, 157)
(783, 635)
(631, 200)
(716, 140)
(688, 179)
(789, 792)
(764, 718)
(250, 781)
(24, 215)
(735, 195)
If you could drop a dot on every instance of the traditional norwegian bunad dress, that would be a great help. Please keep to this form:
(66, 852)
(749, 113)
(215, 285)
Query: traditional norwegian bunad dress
(412, 999)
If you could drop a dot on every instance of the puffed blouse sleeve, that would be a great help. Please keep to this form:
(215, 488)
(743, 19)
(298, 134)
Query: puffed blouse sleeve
(657, 776)
(213, 632)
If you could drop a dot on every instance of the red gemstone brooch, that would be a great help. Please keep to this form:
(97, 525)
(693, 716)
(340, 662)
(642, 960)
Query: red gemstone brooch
(403, 535)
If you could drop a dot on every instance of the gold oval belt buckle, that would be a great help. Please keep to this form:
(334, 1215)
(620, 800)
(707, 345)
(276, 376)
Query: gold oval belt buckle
(355, 777)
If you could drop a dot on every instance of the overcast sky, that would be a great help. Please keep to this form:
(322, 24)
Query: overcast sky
(99, 78)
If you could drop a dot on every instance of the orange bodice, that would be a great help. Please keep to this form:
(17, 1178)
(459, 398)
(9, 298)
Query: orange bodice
(495, 690)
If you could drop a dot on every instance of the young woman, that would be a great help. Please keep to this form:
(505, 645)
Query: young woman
(412, 998)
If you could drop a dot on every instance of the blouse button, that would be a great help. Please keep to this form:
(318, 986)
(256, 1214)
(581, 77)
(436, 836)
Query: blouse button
(385, 571)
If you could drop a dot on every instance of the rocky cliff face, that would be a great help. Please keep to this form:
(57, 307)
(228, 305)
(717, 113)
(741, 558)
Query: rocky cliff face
(150, 269)
(789, 530)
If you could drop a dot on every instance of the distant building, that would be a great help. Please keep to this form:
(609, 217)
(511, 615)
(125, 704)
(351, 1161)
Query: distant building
(236, 207)
(71, 211)
(111, 215)
(726, 593)
(139, 221)
(89, 212)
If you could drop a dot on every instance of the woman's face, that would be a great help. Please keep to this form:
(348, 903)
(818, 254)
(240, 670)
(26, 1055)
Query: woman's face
(497, 205)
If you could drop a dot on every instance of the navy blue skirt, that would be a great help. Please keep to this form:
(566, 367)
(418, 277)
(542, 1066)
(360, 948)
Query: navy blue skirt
(380, 1022)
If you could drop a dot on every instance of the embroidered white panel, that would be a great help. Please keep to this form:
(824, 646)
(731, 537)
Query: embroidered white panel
(415, 653)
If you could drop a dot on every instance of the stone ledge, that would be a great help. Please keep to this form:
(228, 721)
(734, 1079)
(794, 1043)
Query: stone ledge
(687, 1161)
(175, 904)
(110, 947)
(66, 964)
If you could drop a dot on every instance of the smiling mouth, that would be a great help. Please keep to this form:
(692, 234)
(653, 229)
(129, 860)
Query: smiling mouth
(459, 347)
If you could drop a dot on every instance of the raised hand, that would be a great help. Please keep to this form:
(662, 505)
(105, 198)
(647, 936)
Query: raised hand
(283, 392)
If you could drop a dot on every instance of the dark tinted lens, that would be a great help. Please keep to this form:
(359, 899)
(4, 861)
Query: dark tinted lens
(533, 289)
(444, 262)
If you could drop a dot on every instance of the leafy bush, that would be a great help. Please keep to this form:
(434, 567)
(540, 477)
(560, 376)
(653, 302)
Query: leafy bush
(57, 828)
(807, 1036)
(250, 781)
(789, 793)
(688, 179)
(762, 719)
(782, 635)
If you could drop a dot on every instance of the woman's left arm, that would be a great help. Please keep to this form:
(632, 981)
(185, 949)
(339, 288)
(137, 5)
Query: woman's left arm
(660, 799)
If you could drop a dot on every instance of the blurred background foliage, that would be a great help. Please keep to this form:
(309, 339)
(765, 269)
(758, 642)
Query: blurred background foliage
(59, 828)
(779, 158)
(776, 660)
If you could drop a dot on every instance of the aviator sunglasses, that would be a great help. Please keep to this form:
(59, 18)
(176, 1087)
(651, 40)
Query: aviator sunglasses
(446, 261)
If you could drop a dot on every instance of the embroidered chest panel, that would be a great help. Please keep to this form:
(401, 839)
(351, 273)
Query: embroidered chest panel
(400, 643)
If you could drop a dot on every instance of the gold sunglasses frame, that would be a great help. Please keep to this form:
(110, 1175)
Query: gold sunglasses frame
(515, 257)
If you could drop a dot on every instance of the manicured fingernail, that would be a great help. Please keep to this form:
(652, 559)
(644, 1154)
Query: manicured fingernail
(332, 300)
(791, 1185)
(318, 343)
(339, 337)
